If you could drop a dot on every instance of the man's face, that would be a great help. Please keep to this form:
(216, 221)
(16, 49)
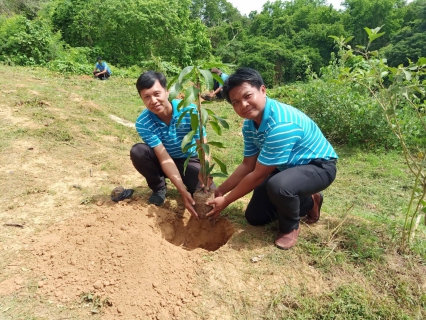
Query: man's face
(155, 98)
(248, 101)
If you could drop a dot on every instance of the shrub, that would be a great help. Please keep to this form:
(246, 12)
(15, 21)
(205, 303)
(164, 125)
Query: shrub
(345, 114)
(28, 42)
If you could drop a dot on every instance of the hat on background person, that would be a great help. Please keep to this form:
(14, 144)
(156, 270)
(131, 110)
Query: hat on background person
(216, 70)
(99, 58)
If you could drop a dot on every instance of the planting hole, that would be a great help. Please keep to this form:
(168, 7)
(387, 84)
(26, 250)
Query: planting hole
(192, 234)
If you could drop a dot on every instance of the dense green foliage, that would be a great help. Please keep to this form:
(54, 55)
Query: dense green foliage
(345, 114)
(127, 32)
(285, 41)
(27, 42)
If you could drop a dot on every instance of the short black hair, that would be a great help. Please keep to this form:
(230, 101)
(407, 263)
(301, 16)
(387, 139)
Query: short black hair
(240, 76)
(147, 79)
(99, 58)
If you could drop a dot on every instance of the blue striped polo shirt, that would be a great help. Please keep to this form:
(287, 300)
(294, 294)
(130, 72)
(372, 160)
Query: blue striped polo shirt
(154, 132)
(285, 138)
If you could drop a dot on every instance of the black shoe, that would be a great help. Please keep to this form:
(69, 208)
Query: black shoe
(158, 197)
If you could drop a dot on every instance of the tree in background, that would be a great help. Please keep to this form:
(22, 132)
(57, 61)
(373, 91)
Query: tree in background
(387, 14)
(288, 39)
(410, 41)
(128, 32)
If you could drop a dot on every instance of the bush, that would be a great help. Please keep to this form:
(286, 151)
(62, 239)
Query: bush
(28, 42)
(345, 114)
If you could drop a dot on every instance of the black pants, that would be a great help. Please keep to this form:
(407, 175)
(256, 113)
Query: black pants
(146, 163)
(286, 195)
(103, 76)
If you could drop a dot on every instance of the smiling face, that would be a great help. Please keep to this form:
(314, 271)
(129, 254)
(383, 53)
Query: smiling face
(248, 101)
(156, 99)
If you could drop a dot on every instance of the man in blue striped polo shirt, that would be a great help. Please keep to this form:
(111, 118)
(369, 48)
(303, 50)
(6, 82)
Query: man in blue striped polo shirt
(287, 160)
(161, 155)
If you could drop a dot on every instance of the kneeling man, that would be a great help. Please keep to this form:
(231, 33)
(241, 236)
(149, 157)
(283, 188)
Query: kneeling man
(287, 160)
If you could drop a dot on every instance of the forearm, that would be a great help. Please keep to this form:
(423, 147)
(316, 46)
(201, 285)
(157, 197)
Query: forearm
(238, 175)
(247, 184)
(172, 172)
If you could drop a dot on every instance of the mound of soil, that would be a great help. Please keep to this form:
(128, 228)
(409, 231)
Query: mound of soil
(130, 254)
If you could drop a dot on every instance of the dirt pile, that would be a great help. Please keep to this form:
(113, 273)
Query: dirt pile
(121, 254)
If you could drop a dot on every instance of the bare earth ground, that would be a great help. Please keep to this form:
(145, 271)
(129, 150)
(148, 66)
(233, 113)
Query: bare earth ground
(79, 254)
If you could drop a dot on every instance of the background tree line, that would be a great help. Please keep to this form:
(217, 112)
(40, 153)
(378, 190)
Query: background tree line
(286, 41)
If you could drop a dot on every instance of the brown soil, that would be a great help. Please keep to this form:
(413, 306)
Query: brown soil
(119, 252)
(200, 198)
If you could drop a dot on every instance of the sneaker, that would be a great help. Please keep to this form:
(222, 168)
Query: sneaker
(314, 214)
(158, 197)
(286, 241)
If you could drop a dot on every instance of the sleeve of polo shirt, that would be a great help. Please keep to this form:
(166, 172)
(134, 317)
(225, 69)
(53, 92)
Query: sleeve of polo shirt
(250, 148)
(145, 129)
(279, 143)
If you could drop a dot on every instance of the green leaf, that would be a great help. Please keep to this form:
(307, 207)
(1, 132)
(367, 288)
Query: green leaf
(217, 78)
(335, 38)
(194, 121)
(206, 149)
(216, 127)
(360, 46)
(187, 139)
(181, 116)
(191, 94)
(407, 74)
(174, 90)
(185, 164)
(222, 122)
(204, 116)
(421, 61)
(373, 33)
(181, 105)
(221, 165)
(187, 147)
(210, 112)
(349, 39)
(209, 169)
(208, 78)
(185, 72)
(172, 82)
(216, 144)
(218, 175)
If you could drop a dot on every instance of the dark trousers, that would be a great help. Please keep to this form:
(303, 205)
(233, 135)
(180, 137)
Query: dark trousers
(146, 163)
(286, 195)
(103, 76)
